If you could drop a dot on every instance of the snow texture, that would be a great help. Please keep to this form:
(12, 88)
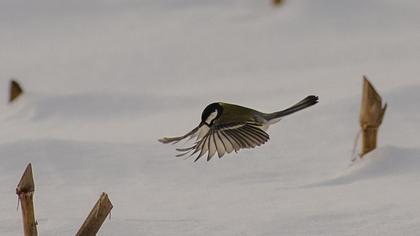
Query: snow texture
(106, 79)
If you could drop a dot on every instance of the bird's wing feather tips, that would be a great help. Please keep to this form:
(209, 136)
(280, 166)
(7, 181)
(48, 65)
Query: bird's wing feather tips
(226, 139)
(174, 140)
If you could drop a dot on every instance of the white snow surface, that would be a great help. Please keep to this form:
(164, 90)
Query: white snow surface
(105, 79)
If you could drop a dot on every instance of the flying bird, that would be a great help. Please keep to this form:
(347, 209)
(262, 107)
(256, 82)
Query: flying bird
(225, 128)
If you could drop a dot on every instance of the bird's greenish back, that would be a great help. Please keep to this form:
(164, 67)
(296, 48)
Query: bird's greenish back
(238, 114)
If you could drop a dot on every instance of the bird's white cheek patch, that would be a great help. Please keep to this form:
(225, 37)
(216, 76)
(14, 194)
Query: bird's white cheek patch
(211, 117)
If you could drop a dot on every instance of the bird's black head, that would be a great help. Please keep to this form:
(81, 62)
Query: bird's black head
(211, 113)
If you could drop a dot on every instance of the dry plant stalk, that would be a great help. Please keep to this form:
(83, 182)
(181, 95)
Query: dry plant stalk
(96, 217)
(277, 2)
(25, 191)
(371, 116)
(15, 90)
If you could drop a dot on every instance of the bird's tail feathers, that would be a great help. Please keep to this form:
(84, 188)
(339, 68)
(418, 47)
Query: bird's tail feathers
(306, 102)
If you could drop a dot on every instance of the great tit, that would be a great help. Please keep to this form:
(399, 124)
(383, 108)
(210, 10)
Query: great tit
(227, 127)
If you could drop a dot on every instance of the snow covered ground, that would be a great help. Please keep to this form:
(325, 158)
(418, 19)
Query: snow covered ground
(106, 79)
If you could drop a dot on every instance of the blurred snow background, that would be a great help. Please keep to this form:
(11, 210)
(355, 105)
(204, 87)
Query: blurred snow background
(106, 79)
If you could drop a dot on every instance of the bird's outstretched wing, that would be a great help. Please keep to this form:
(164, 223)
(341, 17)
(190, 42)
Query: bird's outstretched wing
(174, 140)
(225, 139)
